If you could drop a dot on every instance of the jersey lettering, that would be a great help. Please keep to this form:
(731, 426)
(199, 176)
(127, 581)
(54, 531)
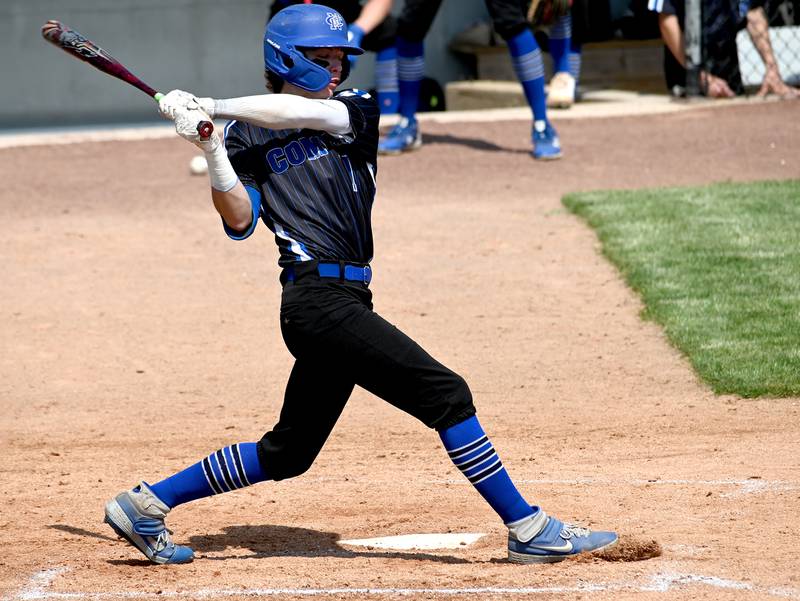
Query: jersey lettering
(295, 153)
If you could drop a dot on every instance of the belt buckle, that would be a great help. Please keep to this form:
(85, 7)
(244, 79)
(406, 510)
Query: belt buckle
(367, 274)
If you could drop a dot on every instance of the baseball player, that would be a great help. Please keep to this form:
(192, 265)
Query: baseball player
(721, 20)
(510, 19)
(371, 26)
(303, 161)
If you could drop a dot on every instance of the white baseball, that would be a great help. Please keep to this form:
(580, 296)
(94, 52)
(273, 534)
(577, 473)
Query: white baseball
(198, 165)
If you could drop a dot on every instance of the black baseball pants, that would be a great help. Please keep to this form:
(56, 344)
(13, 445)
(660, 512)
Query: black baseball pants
(339, 342)
(509, 17)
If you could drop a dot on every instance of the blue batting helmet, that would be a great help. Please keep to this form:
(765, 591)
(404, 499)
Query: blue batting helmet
(305, 26)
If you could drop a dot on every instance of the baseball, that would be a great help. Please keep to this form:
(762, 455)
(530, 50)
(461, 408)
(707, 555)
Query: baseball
(198, 165)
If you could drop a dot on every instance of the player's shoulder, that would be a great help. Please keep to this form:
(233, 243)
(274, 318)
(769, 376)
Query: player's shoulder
(234, 128)
(661, 6)
(354, 95)
(240, 133)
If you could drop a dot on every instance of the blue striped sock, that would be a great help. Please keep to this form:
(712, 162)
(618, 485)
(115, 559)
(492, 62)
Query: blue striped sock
(386, 80)
(410, 71)
(472, 452)
(560, 35)
(575, 60)
(527, 60)
(227, 469)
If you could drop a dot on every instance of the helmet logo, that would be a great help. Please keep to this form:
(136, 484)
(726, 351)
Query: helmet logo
(335, 21)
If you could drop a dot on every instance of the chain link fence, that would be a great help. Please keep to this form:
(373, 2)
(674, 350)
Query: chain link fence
(749, 45)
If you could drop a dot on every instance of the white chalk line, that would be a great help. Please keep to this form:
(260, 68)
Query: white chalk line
(661, 582)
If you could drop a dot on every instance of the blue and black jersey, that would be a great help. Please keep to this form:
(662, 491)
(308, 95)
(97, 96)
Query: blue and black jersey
(312, 189)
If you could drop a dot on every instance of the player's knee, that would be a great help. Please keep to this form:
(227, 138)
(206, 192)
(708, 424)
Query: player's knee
(283, 461)
(457, 404)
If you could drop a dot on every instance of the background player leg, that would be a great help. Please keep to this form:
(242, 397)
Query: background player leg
(529, 67)
(410, 71)
(386, 80)
(575, 56)
(314, 399)
(412, 26)
(510, 20)
(561, 93)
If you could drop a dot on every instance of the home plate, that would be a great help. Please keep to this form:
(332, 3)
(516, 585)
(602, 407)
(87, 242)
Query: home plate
(417, 541)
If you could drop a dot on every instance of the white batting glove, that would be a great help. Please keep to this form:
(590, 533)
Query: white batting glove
(186, 122)
(178, 99)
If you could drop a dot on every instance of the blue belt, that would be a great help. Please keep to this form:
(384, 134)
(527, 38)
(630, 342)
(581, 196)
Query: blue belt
(340, 271)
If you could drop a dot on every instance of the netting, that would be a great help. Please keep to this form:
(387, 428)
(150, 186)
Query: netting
(780, 29)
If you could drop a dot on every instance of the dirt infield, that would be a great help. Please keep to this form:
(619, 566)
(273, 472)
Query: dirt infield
(136, 338)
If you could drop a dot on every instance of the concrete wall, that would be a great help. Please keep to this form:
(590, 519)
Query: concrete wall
(210, 47)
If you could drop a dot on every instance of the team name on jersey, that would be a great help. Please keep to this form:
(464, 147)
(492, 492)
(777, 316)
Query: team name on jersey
(296, 153)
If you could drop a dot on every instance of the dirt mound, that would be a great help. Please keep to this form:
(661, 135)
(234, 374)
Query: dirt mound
(628, 548)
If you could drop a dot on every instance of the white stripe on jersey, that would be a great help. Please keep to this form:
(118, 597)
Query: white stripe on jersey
(355, 92)
(371, 170)
(225, 131)
(293, 244)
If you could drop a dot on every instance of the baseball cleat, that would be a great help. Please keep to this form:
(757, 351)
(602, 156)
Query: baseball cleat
(138, 516)
(546, 145)
(555, 541)
(561, 92)
(403, 137)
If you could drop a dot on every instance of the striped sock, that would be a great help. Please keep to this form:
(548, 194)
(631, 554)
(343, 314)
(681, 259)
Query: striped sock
(527, 60)
(560, 35)
(410, 71)
(575, 60)
(386, 80)
(229, 468)
(472, 452)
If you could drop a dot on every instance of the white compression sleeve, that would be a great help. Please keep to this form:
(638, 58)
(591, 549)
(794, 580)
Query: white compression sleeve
(284, 111)
(220, 170)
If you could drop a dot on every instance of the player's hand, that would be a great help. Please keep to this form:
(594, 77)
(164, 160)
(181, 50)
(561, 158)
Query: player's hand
(715, 87)
(773, 84)
(178, 99)
(186, 123)
(354, 35)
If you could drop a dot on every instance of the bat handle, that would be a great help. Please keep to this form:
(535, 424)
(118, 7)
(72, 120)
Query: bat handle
(204, 128)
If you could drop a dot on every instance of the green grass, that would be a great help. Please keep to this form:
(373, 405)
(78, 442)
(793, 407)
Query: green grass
(718, 267)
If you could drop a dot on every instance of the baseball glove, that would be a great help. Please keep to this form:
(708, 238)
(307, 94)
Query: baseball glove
(546, 12)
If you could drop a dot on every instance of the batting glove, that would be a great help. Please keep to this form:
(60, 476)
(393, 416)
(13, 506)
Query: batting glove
(178, 99)
(354, 35)
(186, 123)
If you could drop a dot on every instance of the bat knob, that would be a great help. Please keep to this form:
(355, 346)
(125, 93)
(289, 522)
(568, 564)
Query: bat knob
(205, 129)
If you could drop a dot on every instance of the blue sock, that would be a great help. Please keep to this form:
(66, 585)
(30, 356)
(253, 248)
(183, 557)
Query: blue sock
(560, 35)
(527, 60)
(224, 470)
(386, 80)
(575, 60)
(410, 71)
(471, 451)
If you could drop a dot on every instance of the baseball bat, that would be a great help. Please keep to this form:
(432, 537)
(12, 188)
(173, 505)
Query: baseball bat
(73, 43)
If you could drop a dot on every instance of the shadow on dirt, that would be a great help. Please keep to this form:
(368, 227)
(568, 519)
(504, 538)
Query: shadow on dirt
(473, 143)
(283, 541)
(81, 532)
(269, 541)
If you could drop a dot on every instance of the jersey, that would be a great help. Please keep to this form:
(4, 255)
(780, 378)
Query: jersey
(312, 189)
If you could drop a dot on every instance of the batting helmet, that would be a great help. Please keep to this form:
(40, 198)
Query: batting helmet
(302, 26)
